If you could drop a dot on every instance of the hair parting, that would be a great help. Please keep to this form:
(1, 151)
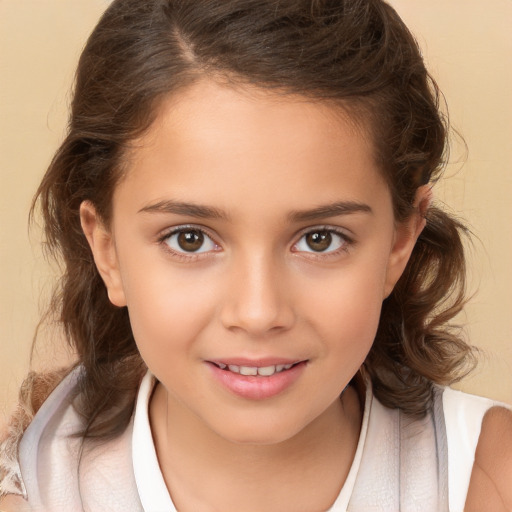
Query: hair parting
(357, 54)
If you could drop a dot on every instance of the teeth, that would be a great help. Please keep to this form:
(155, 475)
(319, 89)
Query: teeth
(248, 370)
(263, 371)
(267, 371)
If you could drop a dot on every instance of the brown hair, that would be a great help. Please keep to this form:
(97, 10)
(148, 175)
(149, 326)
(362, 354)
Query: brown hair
(357, 53)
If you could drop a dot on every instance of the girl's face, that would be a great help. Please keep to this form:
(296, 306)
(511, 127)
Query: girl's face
(252, 234)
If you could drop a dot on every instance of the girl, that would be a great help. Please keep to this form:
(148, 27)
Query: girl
(256, 283)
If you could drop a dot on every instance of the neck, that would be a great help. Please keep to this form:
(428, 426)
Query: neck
(304, 472)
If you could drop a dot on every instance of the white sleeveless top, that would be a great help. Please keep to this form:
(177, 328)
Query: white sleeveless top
(400, 463)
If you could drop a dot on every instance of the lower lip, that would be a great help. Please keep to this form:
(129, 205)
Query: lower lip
(258, 387)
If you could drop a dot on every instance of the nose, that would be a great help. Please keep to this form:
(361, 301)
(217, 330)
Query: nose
(257, 300)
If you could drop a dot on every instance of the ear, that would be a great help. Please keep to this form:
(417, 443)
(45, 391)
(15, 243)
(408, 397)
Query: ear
(406, 234)
(104, 252)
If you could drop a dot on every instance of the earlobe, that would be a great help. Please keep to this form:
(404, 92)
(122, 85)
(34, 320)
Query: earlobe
(104, 252)
(406, 234)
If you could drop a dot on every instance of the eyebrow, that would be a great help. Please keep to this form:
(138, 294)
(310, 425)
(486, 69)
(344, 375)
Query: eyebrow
(209, 212)
(329, 210)
(188, 209)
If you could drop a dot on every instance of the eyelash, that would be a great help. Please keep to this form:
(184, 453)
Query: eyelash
(347, 242)
(186, 256)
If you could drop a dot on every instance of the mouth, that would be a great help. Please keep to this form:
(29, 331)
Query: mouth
(256, 371)
(257, 379)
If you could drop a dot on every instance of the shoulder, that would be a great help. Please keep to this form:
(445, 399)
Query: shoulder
(42, 398)
(464, 416)
(61, 470)
(13, 503)
(489, 487)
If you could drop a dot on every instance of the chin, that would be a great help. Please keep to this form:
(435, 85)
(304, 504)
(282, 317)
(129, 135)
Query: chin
(252, 439)
(257, 434)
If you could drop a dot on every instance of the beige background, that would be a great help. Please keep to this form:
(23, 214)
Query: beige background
(468, 45)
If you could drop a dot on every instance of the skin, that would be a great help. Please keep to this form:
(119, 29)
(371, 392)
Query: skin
(258, 290)
(13, 503)
(489, 487)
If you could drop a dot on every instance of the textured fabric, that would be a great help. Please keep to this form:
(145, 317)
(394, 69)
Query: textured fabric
(150, 483)
(10, 474)
(404, 465)
(62, 474)
(33, 392)
(463, 416)
(401, 463)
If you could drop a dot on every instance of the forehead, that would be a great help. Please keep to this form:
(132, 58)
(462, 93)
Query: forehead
(213, 140)
(209, 104)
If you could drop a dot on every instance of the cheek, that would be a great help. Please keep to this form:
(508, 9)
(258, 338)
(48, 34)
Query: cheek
(348, 307)
(353, 321)
(355, 288)
(167, 308)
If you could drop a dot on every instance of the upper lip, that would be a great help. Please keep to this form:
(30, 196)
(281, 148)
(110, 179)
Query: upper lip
(255, 363)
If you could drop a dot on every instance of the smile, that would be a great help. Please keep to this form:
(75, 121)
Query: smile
(257, 380)
(262, 371)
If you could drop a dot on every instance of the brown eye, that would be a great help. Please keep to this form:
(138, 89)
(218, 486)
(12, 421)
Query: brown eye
(319, 241)
(190, 241)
